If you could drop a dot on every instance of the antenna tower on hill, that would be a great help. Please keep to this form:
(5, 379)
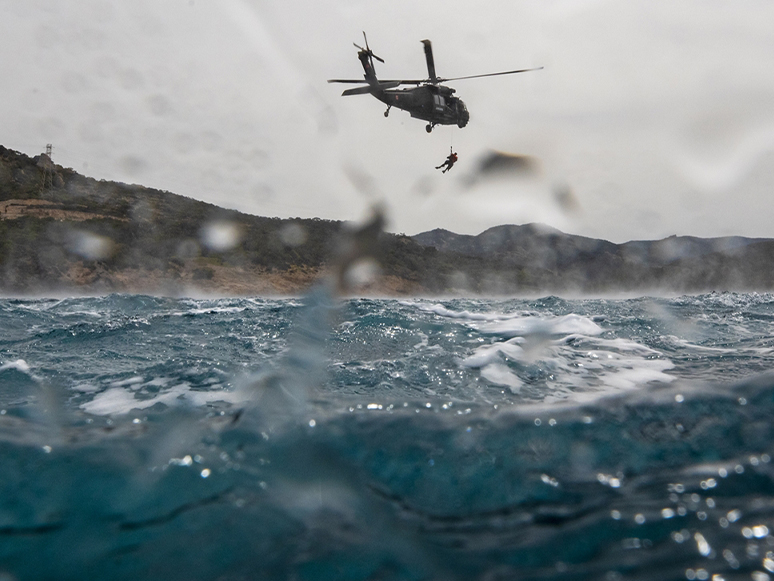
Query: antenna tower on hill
(48, 169)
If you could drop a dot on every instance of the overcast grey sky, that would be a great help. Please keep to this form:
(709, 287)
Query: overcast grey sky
(658, 116)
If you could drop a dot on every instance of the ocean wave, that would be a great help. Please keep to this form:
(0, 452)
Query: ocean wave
(594, 439)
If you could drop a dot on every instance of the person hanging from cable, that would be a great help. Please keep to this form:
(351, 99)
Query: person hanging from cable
(450, 161)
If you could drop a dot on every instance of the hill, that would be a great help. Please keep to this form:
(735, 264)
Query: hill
(64, 232)
(565, 262)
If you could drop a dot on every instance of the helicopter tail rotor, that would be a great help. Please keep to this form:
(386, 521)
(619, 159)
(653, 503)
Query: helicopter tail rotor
(368, 50)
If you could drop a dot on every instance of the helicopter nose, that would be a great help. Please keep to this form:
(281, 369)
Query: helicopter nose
(463, 116)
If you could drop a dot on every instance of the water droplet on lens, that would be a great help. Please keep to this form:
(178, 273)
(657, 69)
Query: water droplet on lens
(293, 235)
(221, 235)
(760, 531)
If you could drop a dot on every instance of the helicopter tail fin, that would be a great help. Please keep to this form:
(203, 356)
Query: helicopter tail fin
(367, 56)
(368, 68)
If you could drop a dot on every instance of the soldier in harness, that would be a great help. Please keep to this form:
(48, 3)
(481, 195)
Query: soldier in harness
(450, 161)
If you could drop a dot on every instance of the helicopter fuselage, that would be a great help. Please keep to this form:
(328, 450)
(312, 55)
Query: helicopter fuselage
(435, 104)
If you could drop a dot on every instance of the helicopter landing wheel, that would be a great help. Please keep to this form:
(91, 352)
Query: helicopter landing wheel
(387, 112)
(429, 127)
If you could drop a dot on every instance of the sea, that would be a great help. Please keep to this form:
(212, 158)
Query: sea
(315, 438)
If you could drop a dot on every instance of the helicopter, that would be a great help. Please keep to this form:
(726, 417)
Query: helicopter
(430, 100)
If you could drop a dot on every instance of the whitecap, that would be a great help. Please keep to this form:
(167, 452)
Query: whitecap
(489, 354)
(86, 387)
(132, 381)
(18, 365)
(119, 401)
(499, 374)
(519, 324)
(563, 325)
(572, 360)
(113, 401)
(442, 311)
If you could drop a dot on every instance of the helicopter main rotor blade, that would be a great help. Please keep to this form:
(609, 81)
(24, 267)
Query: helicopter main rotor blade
(430, 61)
(490, 75)
(391, 82)
(369, 49)
(437, 79)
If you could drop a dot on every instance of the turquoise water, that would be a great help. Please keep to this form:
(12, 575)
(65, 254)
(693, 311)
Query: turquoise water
(160, 438)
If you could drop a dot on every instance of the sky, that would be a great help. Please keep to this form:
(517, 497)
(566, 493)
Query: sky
(652, 118)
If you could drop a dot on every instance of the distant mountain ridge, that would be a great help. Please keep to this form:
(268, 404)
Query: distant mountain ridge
(531, 243)
(676, 263)
(63, 232)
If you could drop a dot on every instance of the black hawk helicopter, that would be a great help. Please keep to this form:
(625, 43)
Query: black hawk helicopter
(430, 100)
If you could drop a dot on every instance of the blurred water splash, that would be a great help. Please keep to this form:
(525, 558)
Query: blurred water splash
(221, 235)
(518, 189)
(565, 197)
(293, 235)
(498, 164)
(357, 253)
(282, 396)
(89, 245)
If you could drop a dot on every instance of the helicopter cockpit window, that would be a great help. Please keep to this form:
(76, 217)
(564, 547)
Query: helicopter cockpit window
(440, 102)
